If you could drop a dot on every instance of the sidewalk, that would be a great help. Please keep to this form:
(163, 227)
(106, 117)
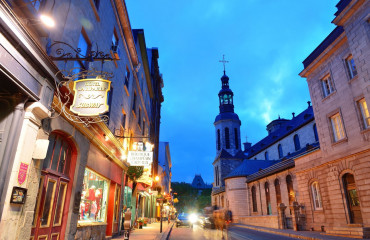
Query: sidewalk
(150, 232)
(309, 235)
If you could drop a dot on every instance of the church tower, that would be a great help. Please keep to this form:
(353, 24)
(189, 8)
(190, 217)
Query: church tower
(227, 122)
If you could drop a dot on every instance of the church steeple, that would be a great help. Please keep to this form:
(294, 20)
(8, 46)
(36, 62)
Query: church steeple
(227, 122)
(225, 95)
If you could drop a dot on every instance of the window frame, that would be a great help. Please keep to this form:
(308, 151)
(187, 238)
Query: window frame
(254, 199)
(227, 138)
(280, 151)
(316, 195)
(337, 115)
(327, 85)
(350, 64)
(365, 120)
(297, 144)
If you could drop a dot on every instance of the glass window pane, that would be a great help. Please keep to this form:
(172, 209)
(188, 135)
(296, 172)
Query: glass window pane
(36, 209)
(48, 203)
(56, 154)
(63, 157)
(94, 198)
(60, 204)
(49, 154)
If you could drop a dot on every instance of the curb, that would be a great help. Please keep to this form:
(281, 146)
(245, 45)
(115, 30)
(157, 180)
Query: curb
(278, 233)
(166, 234)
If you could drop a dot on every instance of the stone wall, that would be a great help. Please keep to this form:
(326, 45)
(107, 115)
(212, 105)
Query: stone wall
(94, 232)
(261, 221)
(237, 196)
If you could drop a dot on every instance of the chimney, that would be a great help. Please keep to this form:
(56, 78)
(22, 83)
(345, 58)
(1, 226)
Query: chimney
(293, 114)
(247, 145)
(309, 103)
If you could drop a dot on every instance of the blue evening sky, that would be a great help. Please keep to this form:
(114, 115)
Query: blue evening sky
(265, 42)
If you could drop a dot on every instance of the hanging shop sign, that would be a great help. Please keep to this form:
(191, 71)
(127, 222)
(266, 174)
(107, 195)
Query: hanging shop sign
(90, 97)
(22, 173)
(147, 176)
(140, 158)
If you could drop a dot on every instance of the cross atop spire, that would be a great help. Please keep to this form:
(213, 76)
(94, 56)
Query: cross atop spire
(224, 61)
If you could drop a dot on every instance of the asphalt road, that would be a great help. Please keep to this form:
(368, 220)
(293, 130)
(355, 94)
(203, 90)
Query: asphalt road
(234, 233)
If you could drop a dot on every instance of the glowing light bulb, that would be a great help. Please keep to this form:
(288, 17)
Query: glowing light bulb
(47, 20)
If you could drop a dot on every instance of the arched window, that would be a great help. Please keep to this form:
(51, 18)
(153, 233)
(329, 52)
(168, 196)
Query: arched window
(218, 139)
(277, 191)
(280, 150)
(291, 194)
(268, 202)
(227, 138)
(315, 133)
(236, 138)
(297, 145)
(59, 154)
(254, 199)
(316, 196)
(266, 155)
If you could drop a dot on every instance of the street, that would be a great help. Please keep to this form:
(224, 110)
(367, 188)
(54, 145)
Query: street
(234, 233)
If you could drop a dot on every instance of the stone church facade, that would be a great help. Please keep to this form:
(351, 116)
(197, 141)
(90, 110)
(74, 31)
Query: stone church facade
(312, 171)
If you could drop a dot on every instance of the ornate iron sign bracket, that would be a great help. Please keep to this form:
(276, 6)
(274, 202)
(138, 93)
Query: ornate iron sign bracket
(57, 51)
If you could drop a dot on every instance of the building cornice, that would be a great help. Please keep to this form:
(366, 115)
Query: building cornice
(347, 12)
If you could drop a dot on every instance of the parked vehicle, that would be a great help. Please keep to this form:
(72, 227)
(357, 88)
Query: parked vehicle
(207, 222)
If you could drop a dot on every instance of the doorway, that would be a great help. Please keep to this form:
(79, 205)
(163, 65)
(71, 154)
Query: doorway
(53, 196)
(353, 202)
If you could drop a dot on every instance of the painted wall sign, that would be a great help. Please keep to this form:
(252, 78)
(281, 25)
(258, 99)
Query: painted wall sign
(90, 97)
(140, 158)
(22, 173)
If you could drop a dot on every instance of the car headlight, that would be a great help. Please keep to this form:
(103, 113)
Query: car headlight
(193, 218)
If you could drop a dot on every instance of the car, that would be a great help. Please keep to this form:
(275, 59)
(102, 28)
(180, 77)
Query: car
(183, 219)
(207, 222)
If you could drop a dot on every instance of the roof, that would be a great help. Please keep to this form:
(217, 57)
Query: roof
(287, 128)
(249, 167)
(341, 5)
(323, 45)
(227, 116)
(284, 164)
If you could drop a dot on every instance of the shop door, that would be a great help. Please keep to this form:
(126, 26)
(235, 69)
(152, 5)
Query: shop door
(49, 209)
(353, 201)
(53, 190)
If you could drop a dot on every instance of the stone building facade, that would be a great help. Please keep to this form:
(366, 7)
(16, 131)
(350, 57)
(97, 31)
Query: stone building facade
(75, 173)
(319, 181)
(337, 74)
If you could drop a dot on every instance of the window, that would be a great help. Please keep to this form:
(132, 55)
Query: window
(364, 112)
(216, 175)
(59, 154)
(123, 121)
(84, 47)
(351, 67)
(97, 4)
(266, 155)
(227, 138)
(143, 127)
(327, 85)
(268, 202)
(254, 199)
(218, 139)
(114, 38)
(291, 194)
(337, 126)
(139, 117)
(134, 103)
(277, 191)
(116, 203)
(316, 197)
(236, 138)
(280, 150)
(127, 77)
(127, 197)
(315, 133)
(110, 99)
(297, 144)
(94, 198)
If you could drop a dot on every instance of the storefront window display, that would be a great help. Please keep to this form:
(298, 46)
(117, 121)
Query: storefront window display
(94, 198)
(128, 196)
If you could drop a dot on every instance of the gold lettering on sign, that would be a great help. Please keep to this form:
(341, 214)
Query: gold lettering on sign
(90, 97)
